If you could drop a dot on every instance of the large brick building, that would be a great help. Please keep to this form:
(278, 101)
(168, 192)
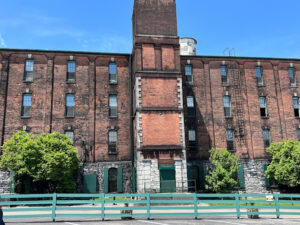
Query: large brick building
(149, 118)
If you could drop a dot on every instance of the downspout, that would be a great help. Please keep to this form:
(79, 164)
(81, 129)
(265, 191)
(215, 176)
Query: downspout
(95, 95)
(52, 88)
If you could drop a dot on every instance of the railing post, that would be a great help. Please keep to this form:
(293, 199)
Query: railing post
(195, 205)
(102, 206)
(237, 204)
(277, 205)
(54, 197)
(148, 206)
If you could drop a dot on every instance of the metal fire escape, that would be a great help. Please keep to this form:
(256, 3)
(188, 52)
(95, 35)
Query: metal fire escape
(238, 101)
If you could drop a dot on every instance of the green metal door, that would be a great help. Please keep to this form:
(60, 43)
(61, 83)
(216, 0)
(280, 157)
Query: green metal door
(167, 179)
(193, 178)
(12, 182)
(90, 183)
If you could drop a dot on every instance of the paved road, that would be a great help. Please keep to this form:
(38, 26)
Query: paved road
(179, 221)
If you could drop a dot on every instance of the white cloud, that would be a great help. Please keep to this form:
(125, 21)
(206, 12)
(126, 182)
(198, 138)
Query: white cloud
(2, 42)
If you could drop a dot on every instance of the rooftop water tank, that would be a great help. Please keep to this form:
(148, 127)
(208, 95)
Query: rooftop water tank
(188, 46)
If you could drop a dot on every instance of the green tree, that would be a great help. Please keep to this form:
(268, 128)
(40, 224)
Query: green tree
(222, 177)
(285, 165)
(49, 158)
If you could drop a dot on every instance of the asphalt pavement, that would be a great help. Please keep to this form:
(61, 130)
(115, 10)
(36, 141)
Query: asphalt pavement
(162, 221)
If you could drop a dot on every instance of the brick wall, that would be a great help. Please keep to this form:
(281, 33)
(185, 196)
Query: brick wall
(210, 122)
(148, 56)
(158, 92)
(161, 129)
(91, 90)
(155, 17)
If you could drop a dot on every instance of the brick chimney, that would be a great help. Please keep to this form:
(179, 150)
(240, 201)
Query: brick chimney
(158, 104)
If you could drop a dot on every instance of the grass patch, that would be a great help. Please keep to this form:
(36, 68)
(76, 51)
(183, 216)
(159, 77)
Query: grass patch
(113, 199)
(253, 203)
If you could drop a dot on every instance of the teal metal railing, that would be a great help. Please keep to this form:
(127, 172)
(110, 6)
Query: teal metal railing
(147, 205)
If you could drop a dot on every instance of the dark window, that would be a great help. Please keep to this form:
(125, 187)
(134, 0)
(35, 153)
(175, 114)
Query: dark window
(292, 76)
(113, 73)
(227, 106)
(298, 134)
(28, 75)
(267, 139)
(71, 71)
(26, 105)
(112, 180)
(189, 74)
(113, 106)
(70, 105)
(296, 106)
(259, 76)
(230, 139)
(190, 105)
(224, 75)
(112, 141)
(70, 134)
(263, 107)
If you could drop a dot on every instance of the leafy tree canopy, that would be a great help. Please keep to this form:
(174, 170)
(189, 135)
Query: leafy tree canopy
(285, 165)
(48, 157)
(222, 177)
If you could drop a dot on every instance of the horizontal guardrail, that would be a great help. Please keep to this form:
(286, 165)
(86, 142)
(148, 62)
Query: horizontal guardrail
(147, 205)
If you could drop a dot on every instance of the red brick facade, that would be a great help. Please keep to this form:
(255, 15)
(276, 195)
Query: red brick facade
(208, 91)
(153, 120)
(91, 89)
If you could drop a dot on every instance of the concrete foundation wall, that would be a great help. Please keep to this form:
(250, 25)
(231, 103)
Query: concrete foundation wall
(4, 182)
(254, 174)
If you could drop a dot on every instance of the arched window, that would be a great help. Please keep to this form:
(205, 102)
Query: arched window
(113, 180)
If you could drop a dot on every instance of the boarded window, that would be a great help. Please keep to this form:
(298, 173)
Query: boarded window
(189, 74)
(224, 75)
(266, 137)
(112, 141)
(26, 105)
(28, 75)
(227, 106)
(230, 139)
(113, 73)
(263, 107)
(71, 71)
(70, 105)
(259, 76)
(113, 106)
(298, 134)
(296, 106)
(292, 76)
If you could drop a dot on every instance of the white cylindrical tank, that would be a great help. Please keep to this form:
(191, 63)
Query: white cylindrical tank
(188, 46)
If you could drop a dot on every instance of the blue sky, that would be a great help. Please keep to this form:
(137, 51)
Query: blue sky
(262, 28)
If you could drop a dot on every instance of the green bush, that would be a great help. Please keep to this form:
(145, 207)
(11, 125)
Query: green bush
(285, 165)
(222, 177)
(47, 158)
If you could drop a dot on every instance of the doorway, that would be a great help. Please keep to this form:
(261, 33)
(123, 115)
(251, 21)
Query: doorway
(167, 179)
